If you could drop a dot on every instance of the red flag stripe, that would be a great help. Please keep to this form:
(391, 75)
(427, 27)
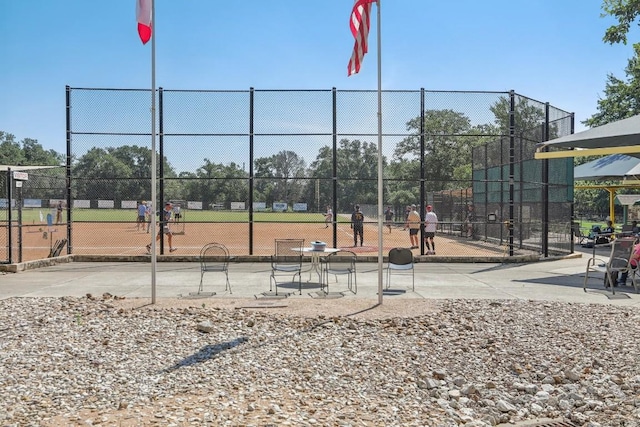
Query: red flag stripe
(360, 23)
(143, 16)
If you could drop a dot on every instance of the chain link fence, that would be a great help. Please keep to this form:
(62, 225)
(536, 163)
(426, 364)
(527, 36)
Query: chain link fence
(35, 218)
(245, 167)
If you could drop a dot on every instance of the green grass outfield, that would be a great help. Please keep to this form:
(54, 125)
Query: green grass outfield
(32, 215)
(585, 226)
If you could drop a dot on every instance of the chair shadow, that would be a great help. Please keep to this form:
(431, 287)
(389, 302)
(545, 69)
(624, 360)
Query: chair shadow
(390, 292)
(207, 352)
(296, 285)
(569, 280)
(503, 266)
(595, 284)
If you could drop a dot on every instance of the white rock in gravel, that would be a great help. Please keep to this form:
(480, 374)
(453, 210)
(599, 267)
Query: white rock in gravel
(542, 396)
(205, 326)
(536, 409)
(572, 375)
(504, 406)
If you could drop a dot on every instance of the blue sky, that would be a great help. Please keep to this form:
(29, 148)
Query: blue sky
(549, 50)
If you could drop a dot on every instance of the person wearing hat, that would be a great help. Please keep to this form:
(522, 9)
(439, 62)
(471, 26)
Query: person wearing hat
(430, 224)
(164, 227)
(357, 224)
(413, 224)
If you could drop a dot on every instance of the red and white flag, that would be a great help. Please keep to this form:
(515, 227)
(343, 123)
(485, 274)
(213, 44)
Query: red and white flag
(143, 15)
(360, 23)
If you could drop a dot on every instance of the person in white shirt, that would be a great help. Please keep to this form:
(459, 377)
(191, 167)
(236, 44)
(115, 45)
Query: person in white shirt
(149, 215)
(430, 224)
(328, 217)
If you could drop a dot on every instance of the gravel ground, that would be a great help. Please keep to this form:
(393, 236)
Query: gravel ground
(347, 362)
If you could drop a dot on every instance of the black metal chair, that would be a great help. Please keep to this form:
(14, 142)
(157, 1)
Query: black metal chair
(401, 261)
(214, 257)
(286, 260)
(338, 263)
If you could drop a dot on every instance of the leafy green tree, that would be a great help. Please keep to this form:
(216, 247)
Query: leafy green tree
(137, 159)
(445, 148)
(320, 193)
(118, 173)
(264, 184)
(35, 154)
(96, 172)
(357, 166)
(528, 117)
(10, 151)
(621, 96)
(215, 183)
(625, 12)
(43, 183)
(357, 170)
(235, 186)
(401, 187)
(286, 172)
(27, 152)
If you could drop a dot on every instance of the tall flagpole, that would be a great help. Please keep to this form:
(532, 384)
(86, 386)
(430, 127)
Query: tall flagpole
(154, 203)
(380, 180)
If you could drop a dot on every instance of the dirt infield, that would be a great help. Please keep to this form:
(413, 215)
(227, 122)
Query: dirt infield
(124, 239)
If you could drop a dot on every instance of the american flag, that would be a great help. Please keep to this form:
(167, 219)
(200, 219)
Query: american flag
(143, 16)
(360, 23)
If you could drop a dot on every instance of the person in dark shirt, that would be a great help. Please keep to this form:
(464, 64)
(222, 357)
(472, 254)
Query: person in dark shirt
(469, 220)
(166, 216)
(609, 228)
(388, 218)
(357, 224)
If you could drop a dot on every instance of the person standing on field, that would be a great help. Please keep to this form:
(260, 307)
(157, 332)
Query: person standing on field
(430, 225)
(328, 217)
(149, 215)
(469, 221)
(357, 224)
(413, 224)
(176, 213)
(142, 215)
(164, 227)
(388, 218)
(59, 212)
(407, 210)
